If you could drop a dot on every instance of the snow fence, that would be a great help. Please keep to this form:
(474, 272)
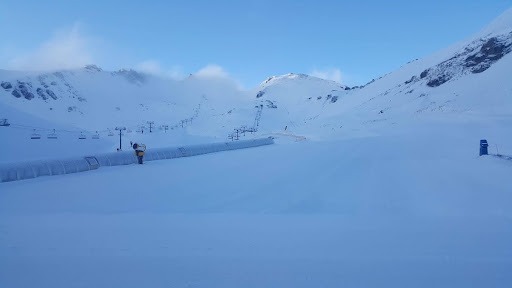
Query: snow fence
(33, 169)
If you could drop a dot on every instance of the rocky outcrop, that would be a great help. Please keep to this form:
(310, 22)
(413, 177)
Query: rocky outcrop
(6, 85)
(50, 92)
(477, 57)
(92, 68)
(24, 89)
(16, 94)
(41, 93)
(131, 76)
(413, 79)
(59, 75)
(27, 94)
(270, 104)
(490, 52)
(439, 80)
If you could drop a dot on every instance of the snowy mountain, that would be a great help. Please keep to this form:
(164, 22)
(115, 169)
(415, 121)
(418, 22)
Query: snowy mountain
(91, 98)
(450, 83)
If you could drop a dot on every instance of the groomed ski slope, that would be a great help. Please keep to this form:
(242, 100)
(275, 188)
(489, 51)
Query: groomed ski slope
(414, 208)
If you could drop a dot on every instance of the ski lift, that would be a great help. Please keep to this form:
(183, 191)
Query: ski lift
(96, 136)
(52, 135)
(110, 133)
(82, 136)
(251, 130)
(4, 122)
(35, 135)
(129, 131)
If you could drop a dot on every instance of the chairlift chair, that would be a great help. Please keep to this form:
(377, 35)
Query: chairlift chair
(4, 122)
(82, 136)
(52, 135)
(35, 135)
(110, 133)
(96, 136)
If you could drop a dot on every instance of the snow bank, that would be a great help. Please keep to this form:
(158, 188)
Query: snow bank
(33, 169)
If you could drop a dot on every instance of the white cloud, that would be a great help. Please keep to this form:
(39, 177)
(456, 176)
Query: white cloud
(149, 66)
(67, 49)
(154, 67)
(212, 71)
(218, 74)
(333, 74)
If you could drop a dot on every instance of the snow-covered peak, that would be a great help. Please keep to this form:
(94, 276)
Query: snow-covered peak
(92, 68)
(294, 77)
(132, 76)
(297, 84)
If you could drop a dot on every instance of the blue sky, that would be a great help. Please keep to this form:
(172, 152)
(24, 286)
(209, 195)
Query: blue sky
(350, 41)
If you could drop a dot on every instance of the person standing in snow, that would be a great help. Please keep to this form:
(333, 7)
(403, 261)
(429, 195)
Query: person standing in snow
(139, 151)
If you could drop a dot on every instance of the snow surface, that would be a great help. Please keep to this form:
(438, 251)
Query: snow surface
(416, 209)
(381, 187)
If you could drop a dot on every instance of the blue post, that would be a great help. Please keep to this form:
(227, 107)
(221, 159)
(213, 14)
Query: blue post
(483, 147)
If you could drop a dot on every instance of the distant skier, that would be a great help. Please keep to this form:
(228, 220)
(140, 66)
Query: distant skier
(139, 151)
